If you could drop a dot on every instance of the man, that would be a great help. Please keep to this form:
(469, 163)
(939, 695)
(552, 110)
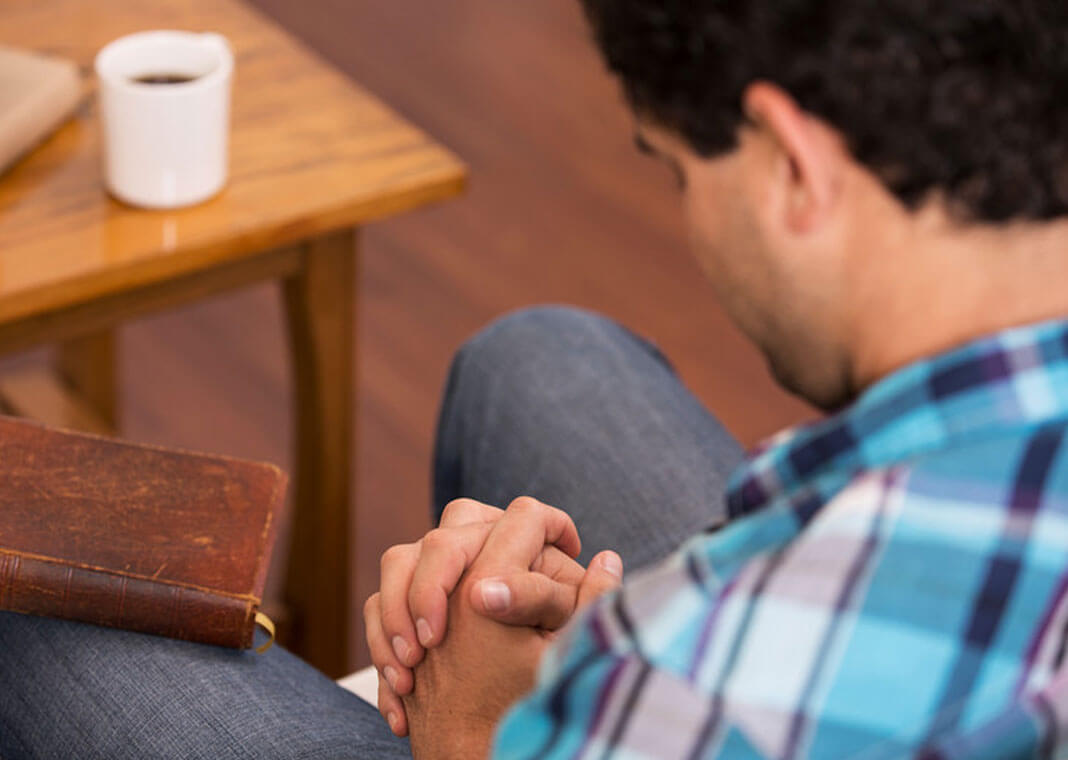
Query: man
(878, 192)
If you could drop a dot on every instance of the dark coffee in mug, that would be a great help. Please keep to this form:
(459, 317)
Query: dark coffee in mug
(163, 78)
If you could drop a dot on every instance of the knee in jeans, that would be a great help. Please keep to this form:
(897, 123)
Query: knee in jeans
(534, 351)
(539, 332)
(526, 347)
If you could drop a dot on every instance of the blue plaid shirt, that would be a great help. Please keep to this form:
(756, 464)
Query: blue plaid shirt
(894, 583)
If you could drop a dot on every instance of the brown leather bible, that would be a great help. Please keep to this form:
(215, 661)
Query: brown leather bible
(136, 537)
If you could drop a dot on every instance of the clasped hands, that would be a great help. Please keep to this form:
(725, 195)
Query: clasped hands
(463, 615)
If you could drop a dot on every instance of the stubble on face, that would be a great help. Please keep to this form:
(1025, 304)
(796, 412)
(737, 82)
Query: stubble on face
(763, 295)
(800, 359)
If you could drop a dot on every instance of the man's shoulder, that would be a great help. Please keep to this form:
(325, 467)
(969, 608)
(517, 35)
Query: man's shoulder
(908, 559)
(984, 476)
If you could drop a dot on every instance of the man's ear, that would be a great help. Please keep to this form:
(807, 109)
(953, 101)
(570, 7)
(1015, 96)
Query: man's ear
(808, 164)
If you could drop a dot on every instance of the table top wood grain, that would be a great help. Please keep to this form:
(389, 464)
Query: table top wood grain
(310, 152)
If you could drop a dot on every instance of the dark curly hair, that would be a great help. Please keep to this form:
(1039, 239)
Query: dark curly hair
(967, 98)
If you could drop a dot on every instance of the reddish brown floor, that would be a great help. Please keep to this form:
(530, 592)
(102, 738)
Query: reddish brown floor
(560, 209)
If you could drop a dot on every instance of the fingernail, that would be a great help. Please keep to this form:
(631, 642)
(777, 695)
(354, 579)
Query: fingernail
(612, 565)
(402, 648)
(496, 596)
(392, 718)
(425, 633)
(391, 676)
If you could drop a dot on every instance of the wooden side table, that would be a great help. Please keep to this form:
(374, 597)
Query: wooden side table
(313, 157)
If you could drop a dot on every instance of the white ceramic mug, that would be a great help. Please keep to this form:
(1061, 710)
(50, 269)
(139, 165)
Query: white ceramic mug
(165, 145)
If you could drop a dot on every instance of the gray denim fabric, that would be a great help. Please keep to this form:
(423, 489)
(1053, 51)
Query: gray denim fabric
(573, 409)
(554, 403)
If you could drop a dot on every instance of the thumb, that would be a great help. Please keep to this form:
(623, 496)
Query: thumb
(527, 598)
(604, 574)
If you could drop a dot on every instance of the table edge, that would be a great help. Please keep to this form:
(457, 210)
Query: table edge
(55, 296)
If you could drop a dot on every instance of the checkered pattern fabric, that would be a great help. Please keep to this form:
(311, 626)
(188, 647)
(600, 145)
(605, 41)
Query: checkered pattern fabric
(893, 583)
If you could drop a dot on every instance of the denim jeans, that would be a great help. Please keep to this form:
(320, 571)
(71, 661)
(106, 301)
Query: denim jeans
(551, 402)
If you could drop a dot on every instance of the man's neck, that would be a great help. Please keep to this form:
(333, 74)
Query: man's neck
(939, 285)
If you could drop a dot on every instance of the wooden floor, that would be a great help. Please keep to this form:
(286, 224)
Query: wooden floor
(560, 209)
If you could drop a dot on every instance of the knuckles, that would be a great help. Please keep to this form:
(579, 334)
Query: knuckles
(527, 505)
(437, 540)
(396, 553)
(369, 606)
(457, 509)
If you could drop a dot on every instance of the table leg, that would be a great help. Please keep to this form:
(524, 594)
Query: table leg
(320, 307)
(87, 366)
(79, 394)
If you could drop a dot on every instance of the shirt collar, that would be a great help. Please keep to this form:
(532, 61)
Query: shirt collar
(1011, 379)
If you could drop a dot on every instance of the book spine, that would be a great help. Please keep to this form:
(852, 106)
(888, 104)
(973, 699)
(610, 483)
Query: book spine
(40, 586)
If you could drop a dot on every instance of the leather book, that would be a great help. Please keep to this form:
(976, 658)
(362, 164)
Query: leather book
(136, 537)
(37, 94)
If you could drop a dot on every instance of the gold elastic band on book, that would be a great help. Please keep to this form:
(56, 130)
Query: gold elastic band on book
(268, 626)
